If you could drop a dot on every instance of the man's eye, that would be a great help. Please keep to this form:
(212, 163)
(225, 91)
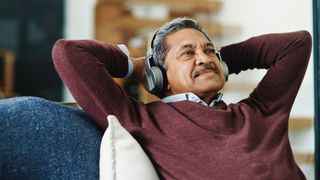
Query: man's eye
(210, 51)
(188, 53)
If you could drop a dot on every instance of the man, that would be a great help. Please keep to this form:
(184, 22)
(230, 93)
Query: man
(192, 133)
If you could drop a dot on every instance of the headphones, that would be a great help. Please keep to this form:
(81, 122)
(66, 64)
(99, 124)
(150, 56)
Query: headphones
(156, 76)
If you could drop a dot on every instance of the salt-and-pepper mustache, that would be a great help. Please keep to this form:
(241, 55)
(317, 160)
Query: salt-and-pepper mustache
(205, 68)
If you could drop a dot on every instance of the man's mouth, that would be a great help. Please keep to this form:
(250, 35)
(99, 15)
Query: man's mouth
(207, 68)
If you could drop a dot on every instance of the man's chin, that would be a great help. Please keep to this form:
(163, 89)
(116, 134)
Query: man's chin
(210, 85)
(210, 78)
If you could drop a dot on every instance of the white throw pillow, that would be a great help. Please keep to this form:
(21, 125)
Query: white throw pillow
(121, 156)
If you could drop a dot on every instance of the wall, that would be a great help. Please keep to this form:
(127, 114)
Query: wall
(79, 24)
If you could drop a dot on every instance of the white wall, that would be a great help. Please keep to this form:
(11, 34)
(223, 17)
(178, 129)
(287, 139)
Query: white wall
(79, 19)
(79, 24)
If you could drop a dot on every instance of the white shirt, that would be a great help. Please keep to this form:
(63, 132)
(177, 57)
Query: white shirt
(191, 97)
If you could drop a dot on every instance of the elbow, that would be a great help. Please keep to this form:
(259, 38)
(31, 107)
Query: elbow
(302, 47)
(305, 39)
(59, 50)
(62, 56)
(63, 52)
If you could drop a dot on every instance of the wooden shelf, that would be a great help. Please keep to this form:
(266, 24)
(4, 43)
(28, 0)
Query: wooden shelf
(182, 5)
(129, 23)
(7, 76)
(115, 23)
(304, 158)
(300, 123)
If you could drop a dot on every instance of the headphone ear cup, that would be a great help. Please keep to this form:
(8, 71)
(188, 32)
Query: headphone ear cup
(154, 79)
(224, 66)
(225, 69)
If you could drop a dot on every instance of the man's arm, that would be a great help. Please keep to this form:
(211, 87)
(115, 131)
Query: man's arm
(286, 57)
(87, 68)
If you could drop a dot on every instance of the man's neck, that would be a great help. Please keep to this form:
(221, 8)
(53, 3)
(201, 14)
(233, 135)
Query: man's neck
(208, 98)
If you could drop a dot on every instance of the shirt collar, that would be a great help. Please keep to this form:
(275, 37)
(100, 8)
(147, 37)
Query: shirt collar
(191, 97)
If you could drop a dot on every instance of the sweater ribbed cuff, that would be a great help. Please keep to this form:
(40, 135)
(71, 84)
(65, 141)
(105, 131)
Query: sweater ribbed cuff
(125, 50)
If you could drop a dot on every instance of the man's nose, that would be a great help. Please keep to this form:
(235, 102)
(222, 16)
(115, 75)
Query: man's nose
(203, 58)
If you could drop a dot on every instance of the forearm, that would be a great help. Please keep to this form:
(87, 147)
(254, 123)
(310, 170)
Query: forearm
(263, 51)
(80, 52)
(286, 57)
(138, 69)
(87, 68)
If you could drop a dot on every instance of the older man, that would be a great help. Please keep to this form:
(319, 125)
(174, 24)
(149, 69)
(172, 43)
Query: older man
(191, 133)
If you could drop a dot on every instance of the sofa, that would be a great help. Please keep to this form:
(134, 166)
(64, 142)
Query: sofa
(42, 139)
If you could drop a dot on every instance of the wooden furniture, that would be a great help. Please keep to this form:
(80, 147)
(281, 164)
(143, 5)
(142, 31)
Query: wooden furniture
(6, 73)
(115, 21)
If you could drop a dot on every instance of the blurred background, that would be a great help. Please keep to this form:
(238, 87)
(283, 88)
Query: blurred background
(28, 30)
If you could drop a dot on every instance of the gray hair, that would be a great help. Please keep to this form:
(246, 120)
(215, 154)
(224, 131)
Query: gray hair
(159, 45)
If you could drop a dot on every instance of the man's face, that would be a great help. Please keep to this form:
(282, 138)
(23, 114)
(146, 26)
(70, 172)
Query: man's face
(192, 64)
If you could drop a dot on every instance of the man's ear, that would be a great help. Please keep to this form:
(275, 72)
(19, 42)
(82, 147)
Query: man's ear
(168, 91)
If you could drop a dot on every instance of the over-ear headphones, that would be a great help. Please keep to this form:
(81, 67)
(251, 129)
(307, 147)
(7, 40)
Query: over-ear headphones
(155, 74)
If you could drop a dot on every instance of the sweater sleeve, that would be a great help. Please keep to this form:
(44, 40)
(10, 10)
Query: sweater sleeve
(286, 57)
(87, 67)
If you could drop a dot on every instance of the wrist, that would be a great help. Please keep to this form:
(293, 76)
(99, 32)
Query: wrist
(138, 68)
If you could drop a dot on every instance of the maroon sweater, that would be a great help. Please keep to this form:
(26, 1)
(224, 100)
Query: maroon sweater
(185, 140)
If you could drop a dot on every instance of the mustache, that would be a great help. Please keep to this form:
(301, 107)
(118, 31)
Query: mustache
(205, 69)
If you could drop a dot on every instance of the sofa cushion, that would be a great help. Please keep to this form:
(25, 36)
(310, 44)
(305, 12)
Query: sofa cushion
(121, 156)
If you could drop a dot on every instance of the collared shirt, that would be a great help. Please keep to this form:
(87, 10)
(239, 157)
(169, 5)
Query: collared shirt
(191, 97)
